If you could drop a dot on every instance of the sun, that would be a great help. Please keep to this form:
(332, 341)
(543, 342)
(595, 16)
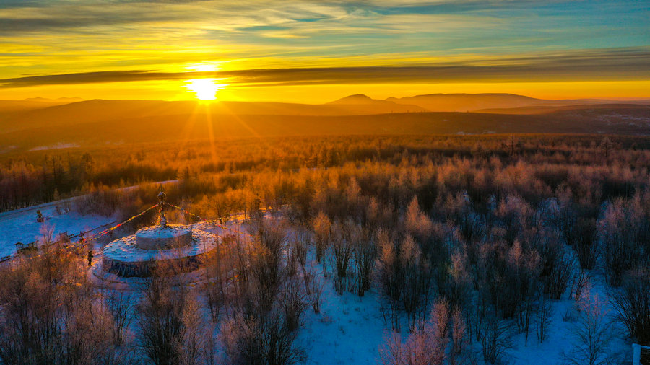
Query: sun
(204, 89)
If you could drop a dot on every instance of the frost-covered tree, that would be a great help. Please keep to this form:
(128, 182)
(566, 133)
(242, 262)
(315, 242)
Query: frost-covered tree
(323, 230)
(426, 345)
(592, 333)
(624, 231)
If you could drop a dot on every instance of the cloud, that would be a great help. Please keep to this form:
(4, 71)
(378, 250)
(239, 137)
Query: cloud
(30, 16)
(593, 65)
(68, 41)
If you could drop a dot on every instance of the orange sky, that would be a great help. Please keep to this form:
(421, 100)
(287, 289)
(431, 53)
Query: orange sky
(323, 93)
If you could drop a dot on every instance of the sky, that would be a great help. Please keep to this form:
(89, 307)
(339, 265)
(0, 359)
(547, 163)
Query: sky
(316, 51)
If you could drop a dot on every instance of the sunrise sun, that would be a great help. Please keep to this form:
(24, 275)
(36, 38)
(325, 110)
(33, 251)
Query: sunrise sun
(204, 89)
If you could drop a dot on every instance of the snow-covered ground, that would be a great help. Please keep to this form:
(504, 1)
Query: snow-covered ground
(21, 225)
(349, 329)
(561, 334)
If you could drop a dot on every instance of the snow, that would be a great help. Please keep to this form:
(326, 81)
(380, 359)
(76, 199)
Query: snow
(58, 146)
(349, 329)
(21, 225)
(125, 249)
(561, 338)
(169, 231)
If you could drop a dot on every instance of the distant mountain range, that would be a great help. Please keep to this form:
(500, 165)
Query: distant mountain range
(350, 105)
(362, 104)
(466, 102)
(33, 123)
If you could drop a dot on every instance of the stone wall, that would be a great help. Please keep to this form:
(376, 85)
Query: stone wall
(144, 269)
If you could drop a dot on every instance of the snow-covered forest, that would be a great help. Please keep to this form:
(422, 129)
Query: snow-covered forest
(529, 249)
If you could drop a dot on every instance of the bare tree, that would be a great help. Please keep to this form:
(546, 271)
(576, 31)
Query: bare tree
(364, 253)
(632, 304)
(426, 345)
(194, 344)
(496, 338)
(50, 314)
(161, 321)
(623, 232)
(322, 228)
(592, 333)
(314, 287)
(543, 320)
(344, 236)
(416, 279)
(121, 306)
(294, 302)
(259, 341)
(459, 338)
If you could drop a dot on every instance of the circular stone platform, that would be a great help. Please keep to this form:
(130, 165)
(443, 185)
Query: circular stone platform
(132, 257)
(164, 237)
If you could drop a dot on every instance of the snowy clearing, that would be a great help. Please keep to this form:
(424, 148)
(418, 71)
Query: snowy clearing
(21, 225)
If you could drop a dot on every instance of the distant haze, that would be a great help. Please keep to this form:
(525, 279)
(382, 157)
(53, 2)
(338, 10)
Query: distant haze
(43, 125)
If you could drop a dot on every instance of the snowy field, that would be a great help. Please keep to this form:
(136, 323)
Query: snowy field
(21, 225)
(349, 329)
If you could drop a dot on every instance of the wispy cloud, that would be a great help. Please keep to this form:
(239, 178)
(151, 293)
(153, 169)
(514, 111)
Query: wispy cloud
(596, 65)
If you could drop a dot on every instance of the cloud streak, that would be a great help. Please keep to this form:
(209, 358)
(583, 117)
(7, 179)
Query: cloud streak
(596, 65)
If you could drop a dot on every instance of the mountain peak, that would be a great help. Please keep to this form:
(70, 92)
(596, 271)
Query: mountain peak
(357, 96)
(354, 99)
(480, 95)
(39, 99)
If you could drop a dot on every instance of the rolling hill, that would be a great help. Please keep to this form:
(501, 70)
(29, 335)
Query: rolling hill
(99, 122)
(466, 102)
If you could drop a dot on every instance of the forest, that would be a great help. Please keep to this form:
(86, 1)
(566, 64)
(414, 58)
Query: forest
(464, 242)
